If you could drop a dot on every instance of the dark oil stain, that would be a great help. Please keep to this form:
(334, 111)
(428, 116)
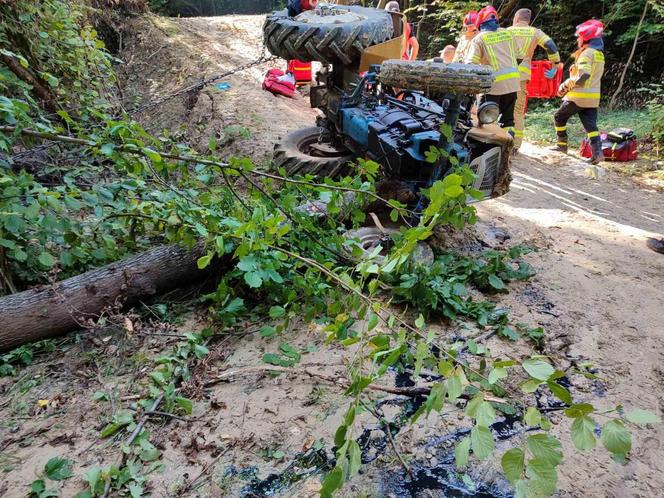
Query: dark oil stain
(304, 465)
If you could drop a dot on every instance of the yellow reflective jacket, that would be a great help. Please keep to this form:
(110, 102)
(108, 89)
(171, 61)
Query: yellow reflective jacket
(584, 85)
(498, 50)
(462, 47)
(527, 38)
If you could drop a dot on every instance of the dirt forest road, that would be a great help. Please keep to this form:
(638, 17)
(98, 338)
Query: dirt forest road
(599, 293)
(607, 293)
(604, 288)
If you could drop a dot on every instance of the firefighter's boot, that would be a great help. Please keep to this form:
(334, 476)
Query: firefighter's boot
(561, 136)
(596, 148)
(559, 147)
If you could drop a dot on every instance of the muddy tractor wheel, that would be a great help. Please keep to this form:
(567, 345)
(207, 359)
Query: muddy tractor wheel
(436, 77)
(329, 34)
(309, 152)
(371, 237)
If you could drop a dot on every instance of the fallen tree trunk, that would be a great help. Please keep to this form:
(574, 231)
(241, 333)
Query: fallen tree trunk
(52, 310)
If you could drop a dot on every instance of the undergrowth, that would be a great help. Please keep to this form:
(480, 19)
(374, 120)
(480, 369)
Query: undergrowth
(539, 123)
(127, 189)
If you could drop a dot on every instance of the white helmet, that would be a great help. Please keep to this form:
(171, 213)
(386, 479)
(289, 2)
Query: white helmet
(393, 7)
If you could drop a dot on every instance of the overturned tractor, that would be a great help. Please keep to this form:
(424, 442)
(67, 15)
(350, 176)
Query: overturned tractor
(377, 106)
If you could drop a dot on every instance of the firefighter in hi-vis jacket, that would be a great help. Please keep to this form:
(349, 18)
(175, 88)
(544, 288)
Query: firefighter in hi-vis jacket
(583, 89)
(527, 39)
(496, 48)
(469, 32)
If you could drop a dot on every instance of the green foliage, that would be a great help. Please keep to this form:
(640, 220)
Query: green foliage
(655, 108)
(53, 42)
(442, 288)
(284, 264)
(66, 227)
(58, 469)
(539, 123)
(38, 489)
(23, 355)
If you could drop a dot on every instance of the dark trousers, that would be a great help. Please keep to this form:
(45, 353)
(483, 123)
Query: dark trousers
(588, 116)
(506, 104)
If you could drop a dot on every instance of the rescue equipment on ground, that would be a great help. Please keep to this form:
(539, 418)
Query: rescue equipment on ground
(619, 145)
(302, 71)
(541, 87)
(279, 83)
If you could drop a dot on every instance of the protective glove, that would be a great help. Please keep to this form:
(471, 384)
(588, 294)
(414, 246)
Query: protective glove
(551, 73)
(563, 88)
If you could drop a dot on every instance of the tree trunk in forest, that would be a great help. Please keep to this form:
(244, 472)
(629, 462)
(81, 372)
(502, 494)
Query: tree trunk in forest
(614, 97)
(507, 9)
(51, 310)
(39, 86)
(425, 7)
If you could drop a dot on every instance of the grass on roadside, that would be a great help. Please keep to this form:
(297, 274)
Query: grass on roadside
(539, 123)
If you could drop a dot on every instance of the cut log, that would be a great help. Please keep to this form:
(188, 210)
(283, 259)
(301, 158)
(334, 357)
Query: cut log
(52, 310)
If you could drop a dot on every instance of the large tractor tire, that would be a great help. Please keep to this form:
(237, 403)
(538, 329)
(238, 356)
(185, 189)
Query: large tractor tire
(308, 152)
(369, 238)
(329, 34)
(436, 77)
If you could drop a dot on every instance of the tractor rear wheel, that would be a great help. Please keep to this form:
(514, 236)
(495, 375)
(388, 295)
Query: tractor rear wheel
(309, 151)
(436, 77)
(369, 238)
(329, 34)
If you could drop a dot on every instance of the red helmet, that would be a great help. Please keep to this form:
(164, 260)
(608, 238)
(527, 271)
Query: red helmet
(470, 19)
(486, 14)
(589, 30)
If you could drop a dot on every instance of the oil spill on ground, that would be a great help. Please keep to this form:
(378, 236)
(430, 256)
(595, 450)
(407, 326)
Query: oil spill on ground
(442, 479)
(435, 477)
(304, 465)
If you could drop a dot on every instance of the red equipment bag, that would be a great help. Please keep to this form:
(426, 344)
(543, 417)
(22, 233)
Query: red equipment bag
(614, 150)
(301, 70)
(273, 84)
(539, 86)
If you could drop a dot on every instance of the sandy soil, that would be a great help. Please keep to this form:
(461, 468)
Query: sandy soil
(163, 55)
(597, 292)
(605, 285)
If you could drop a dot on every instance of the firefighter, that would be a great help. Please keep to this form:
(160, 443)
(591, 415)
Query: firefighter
(412, 45)
(527, 38)
(295, 7)
(496, 48)
(582, 90)
(393, 7)
(469, 32)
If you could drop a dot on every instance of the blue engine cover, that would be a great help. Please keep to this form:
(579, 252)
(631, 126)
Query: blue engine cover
(396, 135)
(420, 143)
(459, 151)
(355, 123)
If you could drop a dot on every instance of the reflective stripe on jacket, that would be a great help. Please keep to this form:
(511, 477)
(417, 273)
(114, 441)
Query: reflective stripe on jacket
(588, 68)
(527, 38)
(498, 50)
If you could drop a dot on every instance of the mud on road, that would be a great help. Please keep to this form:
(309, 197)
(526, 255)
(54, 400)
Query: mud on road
(598, 292)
